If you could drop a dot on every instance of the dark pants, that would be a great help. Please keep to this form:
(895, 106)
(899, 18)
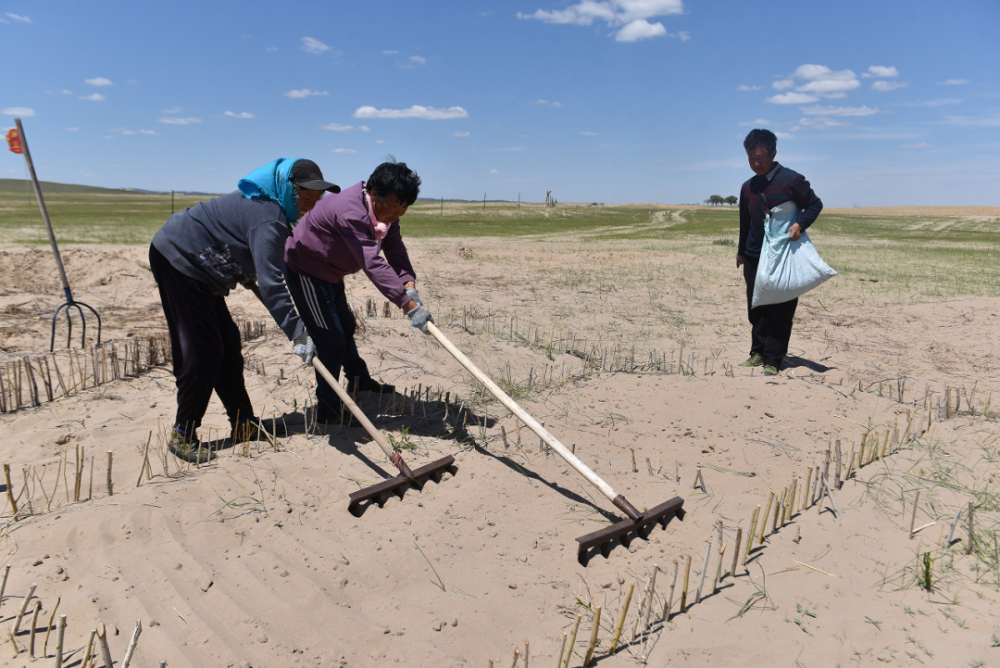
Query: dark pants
(205, 345)
(328, 318)
(771, 325)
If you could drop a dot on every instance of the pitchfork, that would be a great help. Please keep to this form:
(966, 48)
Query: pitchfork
(70, 302)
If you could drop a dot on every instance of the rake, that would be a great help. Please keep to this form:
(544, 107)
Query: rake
(639, 524)
(380, 492)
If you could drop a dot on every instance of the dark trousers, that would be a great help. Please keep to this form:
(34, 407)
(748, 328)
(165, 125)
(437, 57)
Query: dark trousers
(205, 345)
(328, 318)
(771, 325)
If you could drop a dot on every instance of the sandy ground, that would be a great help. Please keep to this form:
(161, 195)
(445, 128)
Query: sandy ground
(256, 561)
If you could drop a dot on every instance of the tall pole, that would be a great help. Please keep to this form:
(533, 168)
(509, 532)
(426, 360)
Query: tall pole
(442, 206)
(519, 200)
(45, 213)
(484, 201)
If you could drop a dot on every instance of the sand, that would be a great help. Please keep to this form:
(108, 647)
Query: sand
(255, 561)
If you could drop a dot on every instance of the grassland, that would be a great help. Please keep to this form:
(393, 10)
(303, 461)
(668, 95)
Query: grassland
(912, 256)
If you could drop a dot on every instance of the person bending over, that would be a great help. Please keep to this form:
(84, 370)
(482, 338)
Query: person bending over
(357, 230)
(202, 253)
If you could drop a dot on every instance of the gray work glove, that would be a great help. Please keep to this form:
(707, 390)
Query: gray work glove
(304, 347)
(419, 317)
(414, 295)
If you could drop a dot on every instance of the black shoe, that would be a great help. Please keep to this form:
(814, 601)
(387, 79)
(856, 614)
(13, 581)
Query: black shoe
(369, 385)
(254, 429)
(189, 448)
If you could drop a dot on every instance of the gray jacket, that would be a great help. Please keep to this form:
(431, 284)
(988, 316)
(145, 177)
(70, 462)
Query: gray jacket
(232, 240)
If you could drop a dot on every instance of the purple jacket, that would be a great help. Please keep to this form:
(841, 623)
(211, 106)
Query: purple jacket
(337, 238)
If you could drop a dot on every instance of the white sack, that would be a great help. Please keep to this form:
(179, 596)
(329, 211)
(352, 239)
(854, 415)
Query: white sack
(787, 269)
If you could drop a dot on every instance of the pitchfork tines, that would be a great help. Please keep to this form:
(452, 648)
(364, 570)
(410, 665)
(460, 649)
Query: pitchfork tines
(79, 306)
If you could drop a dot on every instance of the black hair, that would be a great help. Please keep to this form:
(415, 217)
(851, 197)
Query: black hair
(393, 177)
(764, 138)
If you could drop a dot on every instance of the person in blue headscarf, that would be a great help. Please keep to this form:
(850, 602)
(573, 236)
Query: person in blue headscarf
(202, 253)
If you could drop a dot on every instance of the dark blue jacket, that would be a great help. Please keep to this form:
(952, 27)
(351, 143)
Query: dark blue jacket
(758, 195)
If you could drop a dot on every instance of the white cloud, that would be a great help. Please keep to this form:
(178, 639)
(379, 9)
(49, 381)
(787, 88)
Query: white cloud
(304, 92)
(792, 98)
(66, 92)
(381, 141)
(880, 71)
(149, 132)
(632, 15)
(822, 73)
(337, 127)
(416, 111)
(640, 29)
(242, 114)
(172, 110)
(917, 145)
(15, 17)
(982, 121)
(364, 128)
(177, 120)
(823, 123)
(953, 82)
(72, 129)
(344, 150)
(18, 111)
(784, 135)
(313, 45)
(755, 124)
(886, 86)
(389, 53)
(587, 133)
(418, 60)
(124, 131)
(783, 84)
(493, 171)
(827, 87)
(744, 87)
(684, 35)
(820, 110)
(546, 103)
(462, 134)
(98, 81)
(93, 97)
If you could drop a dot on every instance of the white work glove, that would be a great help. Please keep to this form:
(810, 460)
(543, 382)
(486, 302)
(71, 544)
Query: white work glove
(419, 317)
(304, 347)
(414, 295)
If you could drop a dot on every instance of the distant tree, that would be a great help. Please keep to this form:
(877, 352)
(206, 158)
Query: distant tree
(731, 200)
(715, 200)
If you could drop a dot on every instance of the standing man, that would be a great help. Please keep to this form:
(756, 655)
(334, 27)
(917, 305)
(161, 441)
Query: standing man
(344, 235)
(771, 325)
(202, 253)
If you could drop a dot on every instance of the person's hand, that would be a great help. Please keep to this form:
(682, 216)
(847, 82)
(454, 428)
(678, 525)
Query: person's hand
(739, 261)
(795, 232)
(419, 317)
(304, 347)
(414, 296)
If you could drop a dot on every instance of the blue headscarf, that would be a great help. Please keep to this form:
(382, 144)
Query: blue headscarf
(273, 181)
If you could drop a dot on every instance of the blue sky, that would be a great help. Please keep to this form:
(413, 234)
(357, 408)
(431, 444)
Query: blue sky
(877, 103)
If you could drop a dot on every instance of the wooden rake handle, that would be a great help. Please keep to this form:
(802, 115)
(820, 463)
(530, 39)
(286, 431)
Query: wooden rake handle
(373, 431)
(617, 499)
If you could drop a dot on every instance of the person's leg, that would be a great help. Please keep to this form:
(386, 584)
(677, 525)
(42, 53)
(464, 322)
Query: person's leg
(314, 300)
(756, 316)
(779, 331)
(195, 339)
(354, 365)
(229, 381)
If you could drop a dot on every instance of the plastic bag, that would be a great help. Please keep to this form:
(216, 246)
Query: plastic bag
(787, 269)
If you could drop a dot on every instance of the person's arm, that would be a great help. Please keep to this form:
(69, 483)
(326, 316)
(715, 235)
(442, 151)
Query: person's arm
(359, 241)
(267, 246)
(806, 200)
(744, 227)
(395, 254)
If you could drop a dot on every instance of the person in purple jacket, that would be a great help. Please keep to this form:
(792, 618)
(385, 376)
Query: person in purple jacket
(770, 325)
(342, 235)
